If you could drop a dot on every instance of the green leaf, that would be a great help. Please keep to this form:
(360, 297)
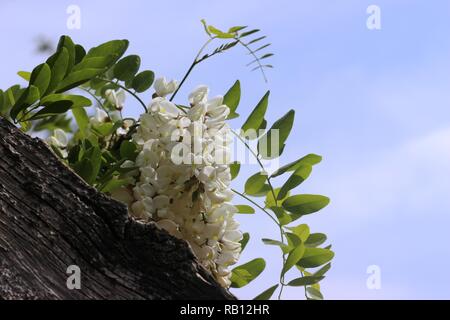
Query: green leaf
(323, 270)
(29, 96)
(10, 96)
(25, 126)
(302, 231)
(128, 150)
(220, 34)
(60, 103)
(255, 183)
(97, 61)
(256, 118)
(66, 42)
(304, 281)
(315, 257)
(58, 63)
(77, 100)
(232, 98)
(311, 159)
(88, 143)
(282, 216)
(236, 29)
(111, 50)
(244, 209)
(270, 201)
(97, 83)
(267, 55)
(263, 191)
(80, 53)
(84, 169)
(301, 174)
(102, 63)
(77, 78)
(314, 294)
(293, 239)
(244, 241)
(94, 156)
(235, 167)
(143, 81)
(271, 242)
(40, 78)
(267, 294)
(262, 128)
(245, 34)
(294, 256)
(283, 246)
(246, 273)
(205, 26)
(82, 120)
(127, 67)
(74, 154)
(52, 108)
(110, 158)
(304, 204)
(272, 144)
(114, 184)
(315, 239)
(256, 40)
(104, 129)
(24, 75)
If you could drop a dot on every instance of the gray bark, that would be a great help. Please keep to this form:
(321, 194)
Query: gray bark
(50, 219)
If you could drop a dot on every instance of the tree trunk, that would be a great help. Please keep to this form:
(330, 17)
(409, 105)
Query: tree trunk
(51, 219)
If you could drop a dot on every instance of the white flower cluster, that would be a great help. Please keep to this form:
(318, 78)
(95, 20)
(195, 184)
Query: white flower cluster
(184, 181)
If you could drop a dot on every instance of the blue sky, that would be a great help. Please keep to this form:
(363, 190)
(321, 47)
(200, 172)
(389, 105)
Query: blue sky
(374, 104)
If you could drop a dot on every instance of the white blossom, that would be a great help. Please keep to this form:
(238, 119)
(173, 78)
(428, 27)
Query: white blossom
(116, 98)
(164, 87)
(189, 198)
(59, 141)
(199, 95)
(100, 116)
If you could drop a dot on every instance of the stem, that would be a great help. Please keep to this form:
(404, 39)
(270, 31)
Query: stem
(306, 293)
(255, 204)
(97, 99)
(272, 190)
(184, 79)
(284, 262)
(129, 91)
(282, 238)
(194, 63)
(249, 149)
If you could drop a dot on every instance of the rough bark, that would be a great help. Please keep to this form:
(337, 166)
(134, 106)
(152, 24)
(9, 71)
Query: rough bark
(50, 219)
